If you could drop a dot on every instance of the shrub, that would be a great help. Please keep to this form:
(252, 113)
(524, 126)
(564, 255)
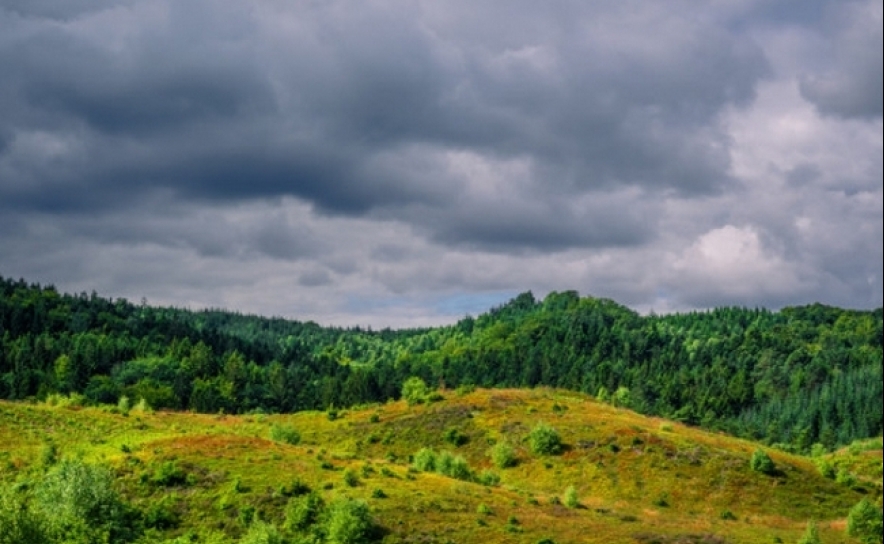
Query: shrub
(19, 524)
(845, 477)
(350, 478)
(425, 460)
(453, 466)
(262, 533)
(285, 433)
(570, 499)
(761, 462)
(544, 440)
(826, 469)
(78, 501)
(169, 474)
(503, 455)
(349, 522)
(378, 493)
(488, 478)
(811, 534)
(727, 515)
(865, 522)
(484, 509)
(455, 437)
(302, 512)
(48, 454)
(464, 389)
(414, 390)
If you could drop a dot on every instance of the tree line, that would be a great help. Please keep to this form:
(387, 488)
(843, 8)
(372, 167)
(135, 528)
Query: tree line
(794, 377)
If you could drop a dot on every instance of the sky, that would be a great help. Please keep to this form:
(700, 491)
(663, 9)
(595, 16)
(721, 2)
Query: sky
(406, 163)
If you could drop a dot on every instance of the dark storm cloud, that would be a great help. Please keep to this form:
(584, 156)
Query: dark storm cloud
(311, 109)
(355, 149)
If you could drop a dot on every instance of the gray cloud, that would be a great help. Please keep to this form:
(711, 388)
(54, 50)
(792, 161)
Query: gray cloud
(417, 150)
(853, 86)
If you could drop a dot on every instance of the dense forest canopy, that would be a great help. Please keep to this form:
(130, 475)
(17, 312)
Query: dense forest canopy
(799, 376)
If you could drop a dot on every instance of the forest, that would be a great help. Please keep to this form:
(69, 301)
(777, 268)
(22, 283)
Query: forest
(791, 378)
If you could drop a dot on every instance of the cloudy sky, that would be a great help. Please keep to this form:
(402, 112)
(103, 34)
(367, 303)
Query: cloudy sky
(407, 162)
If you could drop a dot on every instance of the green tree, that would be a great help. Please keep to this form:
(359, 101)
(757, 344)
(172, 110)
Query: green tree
(414, 390)
(865, 522)
(761, 462)
(544, 440)
(503, 455)
(349, 522)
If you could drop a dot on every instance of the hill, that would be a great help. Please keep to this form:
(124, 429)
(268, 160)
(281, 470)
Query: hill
(617, 477)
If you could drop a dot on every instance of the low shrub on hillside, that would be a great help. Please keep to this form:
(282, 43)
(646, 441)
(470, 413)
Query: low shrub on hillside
(503, 455)
(285, 433)
(761, 462)
(544, 440)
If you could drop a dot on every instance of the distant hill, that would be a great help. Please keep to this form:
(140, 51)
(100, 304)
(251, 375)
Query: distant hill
(796, 377)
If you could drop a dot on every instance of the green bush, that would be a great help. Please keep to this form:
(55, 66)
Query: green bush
(414, 390)
(262, 533)
(349, 522)
(78, 502)
(425, 460)
(544, 440)
(455, 437)
(351, 478)
(503, 455)
(302, 512)
(286, 434)
(761, 462)
(866, 522)
(453, 466)
(168, 474)
(488, 478)
(18, 523)
(811, 534)
(570, 499)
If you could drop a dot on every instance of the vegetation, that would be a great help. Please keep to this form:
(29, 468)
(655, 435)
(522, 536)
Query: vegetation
(544, 440)
(865, 522)
(182, 477)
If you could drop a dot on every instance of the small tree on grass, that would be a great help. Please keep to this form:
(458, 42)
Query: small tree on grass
(570, 499)
(285, 433)
(349, 522)
(425, 460)
(503, 455)
(414, 390)
(865, 522)
(761, 462)
(544, 440)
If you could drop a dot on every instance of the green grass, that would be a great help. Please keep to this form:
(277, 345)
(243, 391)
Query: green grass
(214, 473)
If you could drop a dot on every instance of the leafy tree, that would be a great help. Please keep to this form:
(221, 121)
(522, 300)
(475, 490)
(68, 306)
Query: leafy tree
(19, 524)
(302, 512)
(349, 522)
(414, 390)
(503, 455)
(761, 462)
(865, 522)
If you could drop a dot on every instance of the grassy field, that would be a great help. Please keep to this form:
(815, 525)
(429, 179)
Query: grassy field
(618, 477)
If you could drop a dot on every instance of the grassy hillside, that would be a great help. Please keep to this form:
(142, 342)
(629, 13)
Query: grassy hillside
(215, 478)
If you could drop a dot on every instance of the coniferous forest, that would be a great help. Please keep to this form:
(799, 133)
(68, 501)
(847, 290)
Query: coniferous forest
(792, 378)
